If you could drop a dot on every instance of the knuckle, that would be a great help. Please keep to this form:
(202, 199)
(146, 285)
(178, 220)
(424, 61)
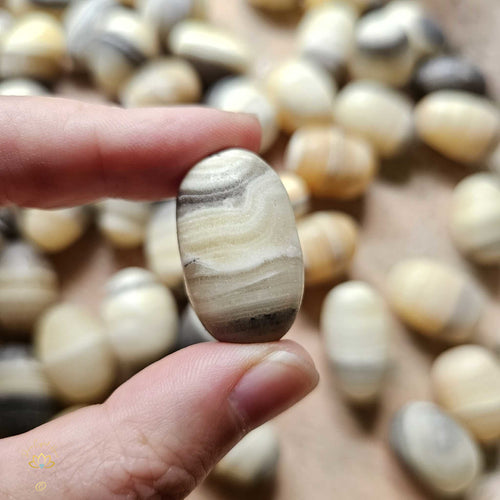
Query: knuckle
(145, 470)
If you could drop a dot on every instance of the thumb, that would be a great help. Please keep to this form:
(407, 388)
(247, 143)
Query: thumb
(160, 433)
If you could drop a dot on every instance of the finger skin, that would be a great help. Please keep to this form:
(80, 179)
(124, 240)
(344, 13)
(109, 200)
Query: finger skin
(160, 433)
(59, 152)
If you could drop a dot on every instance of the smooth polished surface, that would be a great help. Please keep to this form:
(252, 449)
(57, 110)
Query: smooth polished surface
(123, 222)
(466, 382)
(239, 248)
(424, 33)
(382, 51)
(215, 52)
(303, 92)
(434, 299)
(297, 191)
(162, 82)
(34, 47)
(122, 42)
(325, 35)
(71, 344)
(141, 318)
(28, 286)
(53, 230)
(435, 448)
(404, 213)
(161, 249)
(357, 327)
(475, 218)
(334, 164)
(381, 115)
(460, 125)
(328, 241)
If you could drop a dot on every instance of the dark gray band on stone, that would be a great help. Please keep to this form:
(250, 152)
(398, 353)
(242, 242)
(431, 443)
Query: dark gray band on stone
(234, 191)
(124, 47)
(384, 47)
(262, 327)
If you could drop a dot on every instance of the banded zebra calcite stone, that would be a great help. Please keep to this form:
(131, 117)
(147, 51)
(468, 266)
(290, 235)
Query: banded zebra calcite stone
(239, 248)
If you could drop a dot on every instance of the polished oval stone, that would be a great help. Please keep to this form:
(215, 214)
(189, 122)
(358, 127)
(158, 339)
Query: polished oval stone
(303, 92)
(239, 248)
(215, 52)
(462, 126)
(162, 82)
(466, 381)
(475, 217)
(253, 460)
(298, 192)
(28, 286)
(447, 72)
(381, 115)
(356, 325)
(328, 240)
(334, 164)
(123, 42)
(123, 222)
(72, 345)
(33, 48)
(325, 36)
(434, 299)
(435, 448)
(141, 318)
(81, 22)
(425, 35)
(161, 248)
(53, 230)
(382, 51)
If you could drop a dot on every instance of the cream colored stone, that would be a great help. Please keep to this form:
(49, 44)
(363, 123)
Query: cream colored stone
(356, 326)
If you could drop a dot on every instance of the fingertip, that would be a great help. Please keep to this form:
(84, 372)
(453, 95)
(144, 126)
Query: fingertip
(248, 129)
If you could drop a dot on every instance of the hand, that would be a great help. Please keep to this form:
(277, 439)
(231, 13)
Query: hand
(160, 433)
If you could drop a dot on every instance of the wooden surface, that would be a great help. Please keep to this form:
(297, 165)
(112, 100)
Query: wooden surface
(330, 451)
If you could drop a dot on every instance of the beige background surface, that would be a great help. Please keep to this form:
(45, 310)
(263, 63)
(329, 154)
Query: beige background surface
(328, 450)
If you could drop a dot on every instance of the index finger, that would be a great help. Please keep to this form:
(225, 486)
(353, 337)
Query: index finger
(59, 152)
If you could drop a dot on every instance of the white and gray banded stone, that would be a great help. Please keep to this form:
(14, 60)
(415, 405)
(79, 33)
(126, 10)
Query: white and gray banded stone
(81, 22)
(239, 248)
(435, 448)
(357, 328)
(26, 398)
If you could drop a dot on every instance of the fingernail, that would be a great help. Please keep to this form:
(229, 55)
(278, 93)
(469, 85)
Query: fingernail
(270, 387)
